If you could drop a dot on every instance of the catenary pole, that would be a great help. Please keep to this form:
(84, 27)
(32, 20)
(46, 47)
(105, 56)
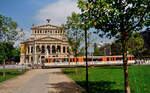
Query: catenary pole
(87, 87)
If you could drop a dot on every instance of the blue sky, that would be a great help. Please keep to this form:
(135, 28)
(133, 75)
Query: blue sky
(28, 12)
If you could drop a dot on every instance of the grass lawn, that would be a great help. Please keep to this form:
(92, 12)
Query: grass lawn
(10, 74)
(110, 79)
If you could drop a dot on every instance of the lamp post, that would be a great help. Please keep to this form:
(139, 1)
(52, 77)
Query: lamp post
(87, 87)
(33, 53)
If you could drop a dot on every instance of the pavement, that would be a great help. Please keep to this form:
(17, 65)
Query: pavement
(41, 81)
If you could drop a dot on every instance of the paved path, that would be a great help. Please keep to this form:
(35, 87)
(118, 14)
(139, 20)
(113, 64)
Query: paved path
(40, 81)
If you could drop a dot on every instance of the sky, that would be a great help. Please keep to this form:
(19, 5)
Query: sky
(29, 12)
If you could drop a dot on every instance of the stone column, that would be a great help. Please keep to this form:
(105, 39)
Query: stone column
(45, 50)
(66, 49)
(50, 48)
(36, 59)
(61, 49)
(30, 59)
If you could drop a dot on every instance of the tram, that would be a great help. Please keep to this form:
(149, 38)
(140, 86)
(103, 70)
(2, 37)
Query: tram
(90, 59)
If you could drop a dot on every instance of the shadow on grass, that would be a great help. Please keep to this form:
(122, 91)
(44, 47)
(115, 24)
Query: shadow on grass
(100, 87)
(94, 87)
(68, 72)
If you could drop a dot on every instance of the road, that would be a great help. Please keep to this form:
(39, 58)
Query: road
(41, 81)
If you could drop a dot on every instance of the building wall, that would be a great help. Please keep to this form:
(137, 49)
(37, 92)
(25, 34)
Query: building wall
(45, 41)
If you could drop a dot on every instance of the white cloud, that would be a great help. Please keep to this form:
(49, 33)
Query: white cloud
(27, 35)
(56, 11)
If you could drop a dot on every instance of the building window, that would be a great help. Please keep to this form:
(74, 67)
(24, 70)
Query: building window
(67, 49)
(48, 48)
(58, 49)
(43, 49)
(35, 31)
(28, 49)
(45, 31)
(64, 49)
(37, 48)
(53, 49)
(40, 31)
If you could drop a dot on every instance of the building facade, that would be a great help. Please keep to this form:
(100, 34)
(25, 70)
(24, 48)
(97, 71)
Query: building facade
(45, 41)
(105, 47)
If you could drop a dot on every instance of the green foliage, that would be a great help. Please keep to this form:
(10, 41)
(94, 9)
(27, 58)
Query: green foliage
(8, 35)
(136, 44)
(6, 49)
(74, 33)
(114, 17)
(110, 79)
(9, 52)
(10, 74)
(97, 52)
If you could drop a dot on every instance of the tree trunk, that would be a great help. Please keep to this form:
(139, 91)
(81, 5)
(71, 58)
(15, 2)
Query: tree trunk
(4, 73)
(125, 63)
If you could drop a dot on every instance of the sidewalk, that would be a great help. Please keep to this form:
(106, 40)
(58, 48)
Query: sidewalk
(40, 81)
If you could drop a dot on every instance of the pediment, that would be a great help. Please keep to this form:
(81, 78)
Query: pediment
(47, 26)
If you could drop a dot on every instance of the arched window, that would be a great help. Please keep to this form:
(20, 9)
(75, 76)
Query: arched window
(35, 31)
(37, 48)
(43, 49)
(42, 59)
(40, 31)
(28, 49)
(64, 49)
(53, 49)
(31, 49)
(58, 49)
(48, 48)
(67, 49)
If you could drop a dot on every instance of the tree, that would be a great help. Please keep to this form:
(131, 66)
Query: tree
(8, 33)
(136, 44)
(118, 18)
(16, 54)
(97, 51)
(74, 33)
(8, 51)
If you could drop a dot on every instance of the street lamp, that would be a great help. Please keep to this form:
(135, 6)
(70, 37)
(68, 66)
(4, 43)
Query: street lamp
(85, 29)
(33, 53)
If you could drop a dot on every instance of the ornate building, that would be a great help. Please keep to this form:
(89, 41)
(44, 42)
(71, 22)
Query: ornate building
(45, 41)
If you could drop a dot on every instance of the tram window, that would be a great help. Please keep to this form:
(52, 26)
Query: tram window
(89, 59)
(100, 59)
(73, 60)
(50, 60)
(107, 58)
(94, 59)
(118, 58)
(54, 60)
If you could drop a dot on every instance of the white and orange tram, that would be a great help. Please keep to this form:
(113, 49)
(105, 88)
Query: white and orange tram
(90, 59)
